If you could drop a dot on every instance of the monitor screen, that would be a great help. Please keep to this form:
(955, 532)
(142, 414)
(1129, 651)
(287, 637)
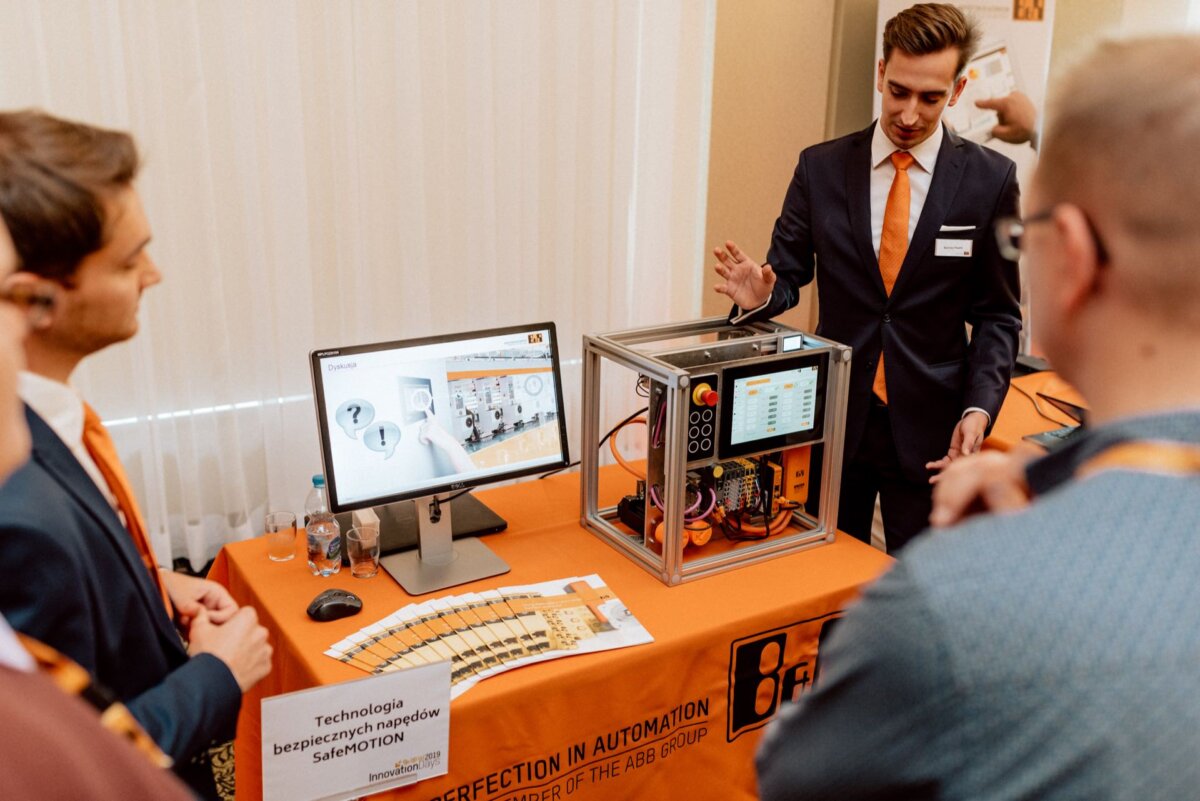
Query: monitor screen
(770, 405)
(401, 420)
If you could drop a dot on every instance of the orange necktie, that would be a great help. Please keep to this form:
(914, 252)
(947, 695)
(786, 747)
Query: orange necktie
(893, 242)
(100, 445)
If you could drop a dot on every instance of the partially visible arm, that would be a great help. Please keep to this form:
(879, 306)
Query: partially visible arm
(994, 314)
(1017, 118)
(987, 482)
(45, 597)
(193, 706)
(885, 697)
(790, 260)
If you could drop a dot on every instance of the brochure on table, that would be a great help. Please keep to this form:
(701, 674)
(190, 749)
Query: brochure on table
(486, 633)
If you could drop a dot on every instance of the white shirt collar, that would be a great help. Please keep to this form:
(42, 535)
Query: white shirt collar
(56, 403)
(12, 653)
(925, 154)
(61, 407)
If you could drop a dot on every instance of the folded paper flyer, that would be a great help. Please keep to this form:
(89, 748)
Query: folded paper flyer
(486, 633)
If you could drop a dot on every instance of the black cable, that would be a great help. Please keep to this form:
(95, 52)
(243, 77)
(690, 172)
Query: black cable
(734, 520)
(1037, 407)
(558, 470)
(621, 424)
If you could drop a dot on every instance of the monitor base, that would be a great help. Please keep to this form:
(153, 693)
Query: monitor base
(439, 561)
(399, 528)
(472, 561)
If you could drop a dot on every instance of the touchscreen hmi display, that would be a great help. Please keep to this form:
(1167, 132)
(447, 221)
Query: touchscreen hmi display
(771, 405)
(405, 419)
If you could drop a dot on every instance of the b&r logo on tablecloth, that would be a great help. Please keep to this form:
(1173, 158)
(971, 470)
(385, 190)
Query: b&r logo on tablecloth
(770, 667)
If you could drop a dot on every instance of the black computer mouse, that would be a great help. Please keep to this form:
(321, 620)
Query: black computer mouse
(333, 604)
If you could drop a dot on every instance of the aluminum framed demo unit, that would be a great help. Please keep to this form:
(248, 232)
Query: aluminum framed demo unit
(731, 414)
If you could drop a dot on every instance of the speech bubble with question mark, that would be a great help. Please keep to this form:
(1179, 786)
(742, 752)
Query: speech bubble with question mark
(382, 437)
(354, 415)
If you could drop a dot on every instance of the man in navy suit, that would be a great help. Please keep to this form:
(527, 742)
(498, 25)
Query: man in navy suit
(52, 742)
(938, 390)
(74, 576)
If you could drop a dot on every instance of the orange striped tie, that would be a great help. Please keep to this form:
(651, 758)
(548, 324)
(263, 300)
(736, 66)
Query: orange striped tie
(893, 242)
(72, 679)
(100, 445)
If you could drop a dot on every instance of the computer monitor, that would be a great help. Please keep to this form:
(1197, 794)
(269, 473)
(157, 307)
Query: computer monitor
(404, 423)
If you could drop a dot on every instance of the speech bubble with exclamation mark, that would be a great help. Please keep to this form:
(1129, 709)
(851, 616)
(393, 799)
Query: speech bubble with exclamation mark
(382, 437)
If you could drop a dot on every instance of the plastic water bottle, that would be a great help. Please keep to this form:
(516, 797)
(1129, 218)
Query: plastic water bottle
(324, 534)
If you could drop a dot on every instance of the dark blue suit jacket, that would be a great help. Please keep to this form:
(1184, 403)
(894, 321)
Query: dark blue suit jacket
(74, 580)
(933, 372)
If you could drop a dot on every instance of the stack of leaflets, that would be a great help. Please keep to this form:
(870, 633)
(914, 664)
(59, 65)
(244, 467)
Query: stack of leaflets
(489, 632)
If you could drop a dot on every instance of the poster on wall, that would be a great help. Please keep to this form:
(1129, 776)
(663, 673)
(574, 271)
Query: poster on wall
(1014, 55)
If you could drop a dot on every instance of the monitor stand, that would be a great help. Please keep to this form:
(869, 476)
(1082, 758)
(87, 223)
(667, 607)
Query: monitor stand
(440, 561)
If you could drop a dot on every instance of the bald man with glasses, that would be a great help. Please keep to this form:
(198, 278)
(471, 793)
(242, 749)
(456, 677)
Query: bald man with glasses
(1049, 649)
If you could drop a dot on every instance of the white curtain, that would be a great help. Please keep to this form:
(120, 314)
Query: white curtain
(330, 173)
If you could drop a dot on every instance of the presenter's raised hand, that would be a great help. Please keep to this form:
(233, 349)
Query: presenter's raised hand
(240, 642)
(746, 282)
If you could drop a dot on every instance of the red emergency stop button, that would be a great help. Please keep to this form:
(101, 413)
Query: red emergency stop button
(704, 395)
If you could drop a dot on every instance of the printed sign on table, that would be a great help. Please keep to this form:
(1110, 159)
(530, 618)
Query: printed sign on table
(358, 737)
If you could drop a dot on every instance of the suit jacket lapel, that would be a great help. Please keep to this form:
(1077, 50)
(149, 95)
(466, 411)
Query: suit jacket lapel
(858, 195)
(56, 458)
(947, 174)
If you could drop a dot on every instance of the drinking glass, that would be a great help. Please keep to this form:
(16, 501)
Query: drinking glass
(281, 536)
(362, 545)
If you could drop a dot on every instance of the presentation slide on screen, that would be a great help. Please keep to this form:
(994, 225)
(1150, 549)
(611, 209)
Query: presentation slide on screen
(774, 404)
(406, 419)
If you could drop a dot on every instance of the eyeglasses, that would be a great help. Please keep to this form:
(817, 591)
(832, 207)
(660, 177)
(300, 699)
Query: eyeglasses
(35, 302)
(1010, 230)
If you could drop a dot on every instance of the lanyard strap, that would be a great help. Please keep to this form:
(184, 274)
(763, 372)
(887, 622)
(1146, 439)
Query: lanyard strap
(1145, 456)
(72, 679)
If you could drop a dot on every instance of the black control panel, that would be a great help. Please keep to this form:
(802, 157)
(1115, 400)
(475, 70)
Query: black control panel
(702, 419)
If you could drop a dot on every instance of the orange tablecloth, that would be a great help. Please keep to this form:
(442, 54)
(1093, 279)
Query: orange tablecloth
(678, 718)
(1019, 416)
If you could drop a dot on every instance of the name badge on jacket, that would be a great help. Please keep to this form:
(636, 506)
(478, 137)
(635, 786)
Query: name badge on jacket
(952, 247)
